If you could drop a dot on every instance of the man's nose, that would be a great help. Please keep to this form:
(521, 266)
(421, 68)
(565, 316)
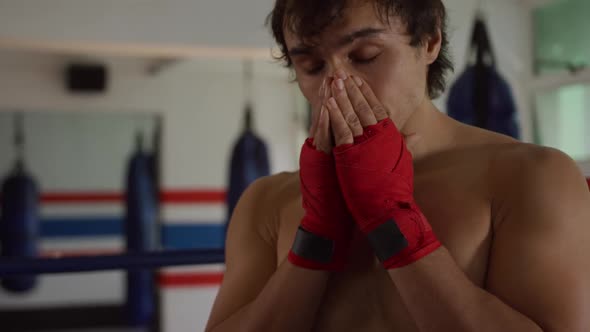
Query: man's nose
(334, 67)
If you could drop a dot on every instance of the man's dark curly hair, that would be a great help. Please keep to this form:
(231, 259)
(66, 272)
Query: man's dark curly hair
(422, 18)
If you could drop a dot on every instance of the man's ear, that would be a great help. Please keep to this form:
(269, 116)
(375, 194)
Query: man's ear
(432, 47)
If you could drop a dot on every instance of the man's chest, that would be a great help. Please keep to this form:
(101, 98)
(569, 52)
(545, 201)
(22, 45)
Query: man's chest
(456, 205)
(459, 211)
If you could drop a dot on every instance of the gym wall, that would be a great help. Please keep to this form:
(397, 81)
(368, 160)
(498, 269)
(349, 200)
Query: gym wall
(201, 102)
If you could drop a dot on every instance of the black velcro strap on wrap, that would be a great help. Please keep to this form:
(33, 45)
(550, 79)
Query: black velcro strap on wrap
(312, 247)
(387, 240)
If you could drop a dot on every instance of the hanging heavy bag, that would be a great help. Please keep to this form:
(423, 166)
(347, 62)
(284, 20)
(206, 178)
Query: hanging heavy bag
(480, 96)
(19, 225)
(249, 161)
(140, 231)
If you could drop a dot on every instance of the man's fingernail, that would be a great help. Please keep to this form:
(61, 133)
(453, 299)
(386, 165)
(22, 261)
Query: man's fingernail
(340, 84)
(332, 103)
(341, 74)
(358, 81)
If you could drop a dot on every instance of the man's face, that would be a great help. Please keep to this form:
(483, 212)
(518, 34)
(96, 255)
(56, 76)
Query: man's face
(362, 45)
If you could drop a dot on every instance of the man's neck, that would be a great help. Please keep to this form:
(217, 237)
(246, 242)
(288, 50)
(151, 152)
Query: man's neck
(433, 128)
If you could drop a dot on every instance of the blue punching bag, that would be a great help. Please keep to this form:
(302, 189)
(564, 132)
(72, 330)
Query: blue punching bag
(19, 223)
(249, 161)
(481, 97)
(19, 227)
(140, 230)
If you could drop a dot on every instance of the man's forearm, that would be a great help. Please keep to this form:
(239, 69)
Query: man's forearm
(288, 302)
(440, 297)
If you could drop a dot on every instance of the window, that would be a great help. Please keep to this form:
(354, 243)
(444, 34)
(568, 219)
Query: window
(561, 36)
(562, 84)
(563, 120)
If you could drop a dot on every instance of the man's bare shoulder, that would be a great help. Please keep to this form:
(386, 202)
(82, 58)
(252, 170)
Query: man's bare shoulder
(526, 176)
(469, 136)
(531, 165)
(275, 188)
(515, 166)
(280, 188)
(514, 160)
(265, 200)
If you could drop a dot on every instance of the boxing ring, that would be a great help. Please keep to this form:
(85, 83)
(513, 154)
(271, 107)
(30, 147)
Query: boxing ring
(97, 315)
(149, 260)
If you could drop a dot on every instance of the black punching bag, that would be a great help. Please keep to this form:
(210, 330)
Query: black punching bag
(480, 96)
(19, 224)
(140, 230)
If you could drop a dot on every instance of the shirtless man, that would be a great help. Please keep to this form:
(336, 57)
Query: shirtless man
(494, 236)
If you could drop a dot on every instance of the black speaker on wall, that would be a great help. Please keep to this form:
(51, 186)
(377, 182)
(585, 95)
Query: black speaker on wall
(86, 78)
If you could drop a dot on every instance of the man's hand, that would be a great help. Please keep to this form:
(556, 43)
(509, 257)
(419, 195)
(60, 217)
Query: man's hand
(375, 173)
(323, 239)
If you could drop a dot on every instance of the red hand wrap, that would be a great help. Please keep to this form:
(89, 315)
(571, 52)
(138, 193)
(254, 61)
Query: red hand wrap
(326, 215)
(376, 177)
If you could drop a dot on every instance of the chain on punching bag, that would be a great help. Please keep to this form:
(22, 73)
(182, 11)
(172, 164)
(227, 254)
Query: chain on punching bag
(140, 230)
(480, 96)
(19, 224)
